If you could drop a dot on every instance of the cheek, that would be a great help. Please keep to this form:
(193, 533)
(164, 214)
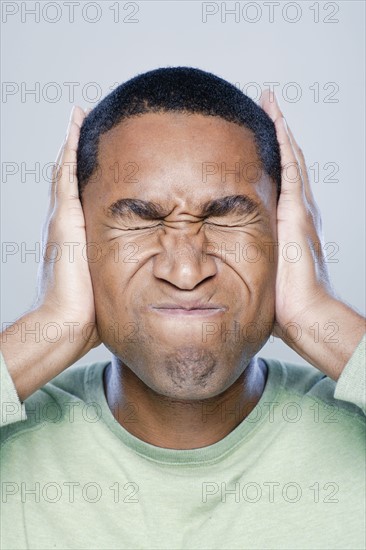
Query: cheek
(256, 316)
(258, 272)
(253, 255)
(109, 275)
(263, 275)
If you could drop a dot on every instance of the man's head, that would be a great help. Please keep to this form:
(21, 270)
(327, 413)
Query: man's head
(179, 174)
(178, 89)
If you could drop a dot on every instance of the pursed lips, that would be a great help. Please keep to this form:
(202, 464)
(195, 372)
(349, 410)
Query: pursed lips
(189, 309)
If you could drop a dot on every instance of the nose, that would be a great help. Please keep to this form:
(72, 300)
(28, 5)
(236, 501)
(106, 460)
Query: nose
(182, 262)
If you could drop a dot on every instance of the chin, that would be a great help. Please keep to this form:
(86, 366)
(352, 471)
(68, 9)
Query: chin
(188, 393)
(196, 388)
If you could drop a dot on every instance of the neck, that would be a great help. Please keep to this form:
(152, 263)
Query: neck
(165, 422)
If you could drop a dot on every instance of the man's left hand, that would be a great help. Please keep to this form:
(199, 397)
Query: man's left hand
(309, 316)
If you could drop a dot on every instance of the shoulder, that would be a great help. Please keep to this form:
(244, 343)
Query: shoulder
(51, 403)
(306, 383)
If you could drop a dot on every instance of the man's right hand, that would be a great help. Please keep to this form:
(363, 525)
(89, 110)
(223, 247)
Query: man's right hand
(60, 327)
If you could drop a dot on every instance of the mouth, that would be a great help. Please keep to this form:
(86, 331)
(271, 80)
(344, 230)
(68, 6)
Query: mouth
(197, 310)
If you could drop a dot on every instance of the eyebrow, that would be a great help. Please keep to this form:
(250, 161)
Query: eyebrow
(148, 210)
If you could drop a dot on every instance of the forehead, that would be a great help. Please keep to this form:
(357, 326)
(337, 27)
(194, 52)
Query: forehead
(169, 156)
(176, 132)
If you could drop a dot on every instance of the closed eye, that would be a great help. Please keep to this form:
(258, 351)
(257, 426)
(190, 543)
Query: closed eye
(225, 226)
(142, 227)
(137, 228)
(218, 224)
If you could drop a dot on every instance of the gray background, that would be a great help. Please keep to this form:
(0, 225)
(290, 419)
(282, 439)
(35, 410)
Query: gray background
(325, 107)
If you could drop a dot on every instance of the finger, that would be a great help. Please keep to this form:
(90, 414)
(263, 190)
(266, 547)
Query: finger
(57, 170)
(66, 184)
(55, 175)
(300, 156)
(292, 182)
(269, 103)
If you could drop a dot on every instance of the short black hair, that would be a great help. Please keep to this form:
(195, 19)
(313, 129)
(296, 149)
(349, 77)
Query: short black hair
(178, 89)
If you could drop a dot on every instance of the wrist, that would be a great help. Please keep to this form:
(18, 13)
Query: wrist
(38, 346)
(326, 334)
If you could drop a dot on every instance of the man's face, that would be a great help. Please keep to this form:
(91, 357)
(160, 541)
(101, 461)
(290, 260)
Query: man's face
(179, 255)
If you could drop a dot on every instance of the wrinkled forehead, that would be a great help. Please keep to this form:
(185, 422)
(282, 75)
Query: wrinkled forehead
(171, 133)
(168, 156)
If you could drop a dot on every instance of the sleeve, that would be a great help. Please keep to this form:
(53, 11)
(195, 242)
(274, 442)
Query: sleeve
(351, 385)
(12, 410)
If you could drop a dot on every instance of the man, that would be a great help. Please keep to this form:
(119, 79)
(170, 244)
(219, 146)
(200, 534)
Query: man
(191, 201)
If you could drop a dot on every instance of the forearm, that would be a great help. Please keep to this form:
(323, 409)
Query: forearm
(328, 336)
(36, 348)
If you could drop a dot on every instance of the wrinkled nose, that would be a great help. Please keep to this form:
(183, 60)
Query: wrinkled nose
(182, 261)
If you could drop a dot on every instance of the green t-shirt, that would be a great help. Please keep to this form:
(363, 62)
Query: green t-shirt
(289, 476)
